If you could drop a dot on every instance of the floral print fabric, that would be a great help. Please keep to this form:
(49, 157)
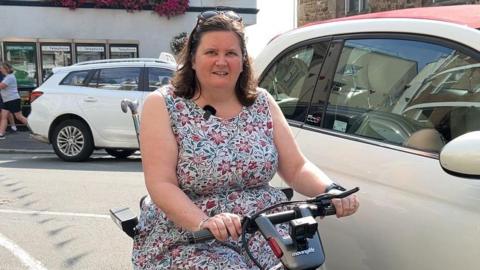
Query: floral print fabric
(224, 165)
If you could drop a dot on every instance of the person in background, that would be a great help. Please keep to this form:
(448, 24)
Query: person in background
(211, 142)
(10, 97)
(13, 126)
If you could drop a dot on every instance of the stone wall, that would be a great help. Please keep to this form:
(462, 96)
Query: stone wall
(318, 10)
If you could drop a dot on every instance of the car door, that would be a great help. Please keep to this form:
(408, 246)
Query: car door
(101, 105)
(393, 102)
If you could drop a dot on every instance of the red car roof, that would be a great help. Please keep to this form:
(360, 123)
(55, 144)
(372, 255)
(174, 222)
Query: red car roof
(468, 15)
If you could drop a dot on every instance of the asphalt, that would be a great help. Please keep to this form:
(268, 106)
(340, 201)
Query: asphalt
(21, 142)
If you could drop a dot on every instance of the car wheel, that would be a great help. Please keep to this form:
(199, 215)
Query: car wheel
(72, 140)
(120, 153)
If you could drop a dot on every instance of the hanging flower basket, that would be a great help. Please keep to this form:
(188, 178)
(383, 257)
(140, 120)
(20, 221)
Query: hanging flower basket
(168, 8)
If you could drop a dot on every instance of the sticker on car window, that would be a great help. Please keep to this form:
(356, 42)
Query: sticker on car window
(340, 126)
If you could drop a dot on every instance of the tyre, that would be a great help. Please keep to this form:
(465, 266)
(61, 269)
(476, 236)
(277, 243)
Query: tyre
(72, 140)
(119, 153)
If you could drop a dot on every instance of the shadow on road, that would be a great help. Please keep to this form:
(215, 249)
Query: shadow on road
(96, 163)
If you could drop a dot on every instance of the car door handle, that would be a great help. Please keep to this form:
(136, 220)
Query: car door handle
(90, 99)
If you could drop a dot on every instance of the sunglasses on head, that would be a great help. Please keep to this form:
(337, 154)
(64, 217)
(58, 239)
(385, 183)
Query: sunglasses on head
(212, 13)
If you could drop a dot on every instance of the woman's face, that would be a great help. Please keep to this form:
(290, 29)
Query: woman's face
(218, 60)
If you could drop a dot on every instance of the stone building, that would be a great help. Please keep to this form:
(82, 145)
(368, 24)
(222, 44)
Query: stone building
(317, 10)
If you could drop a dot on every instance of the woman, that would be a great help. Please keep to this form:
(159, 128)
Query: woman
(205, 168)
(10, 97)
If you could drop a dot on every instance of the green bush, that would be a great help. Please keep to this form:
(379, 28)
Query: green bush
(178, 42)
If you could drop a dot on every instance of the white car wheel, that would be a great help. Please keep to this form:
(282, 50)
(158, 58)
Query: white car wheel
(72, 141)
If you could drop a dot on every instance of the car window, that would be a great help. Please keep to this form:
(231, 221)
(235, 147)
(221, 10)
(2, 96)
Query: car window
(291, 79)
(405, 92)
(75, 78)
(124, 78)
(158, 77)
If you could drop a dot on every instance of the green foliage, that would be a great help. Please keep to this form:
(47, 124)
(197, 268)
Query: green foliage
(178, 42)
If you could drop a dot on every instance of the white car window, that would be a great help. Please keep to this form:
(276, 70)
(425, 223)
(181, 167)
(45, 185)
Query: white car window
(123, 78)
(75, 78)
(405, 92)
(158, 77)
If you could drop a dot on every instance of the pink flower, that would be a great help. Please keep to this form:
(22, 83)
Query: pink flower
(218, 138)
(269, 124)
(184, 119)
(210, 204)
(180, 106)
(198, 159)
(175, 252)
(249, 128)
(261, 109)
(224, 167)
(260, 205)
(244, 146)
(233, 196)
(196, 138)
(268, 165)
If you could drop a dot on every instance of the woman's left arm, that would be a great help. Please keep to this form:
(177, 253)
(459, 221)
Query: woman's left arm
(299, 173)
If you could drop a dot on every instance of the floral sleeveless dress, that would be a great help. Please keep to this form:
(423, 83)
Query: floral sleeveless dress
(223, 166)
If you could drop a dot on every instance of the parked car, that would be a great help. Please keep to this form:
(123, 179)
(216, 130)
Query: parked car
(78, 110)
(376, 101)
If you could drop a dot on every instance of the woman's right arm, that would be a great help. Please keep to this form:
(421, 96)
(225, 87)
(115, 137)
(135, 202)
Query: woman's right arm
(159, 159)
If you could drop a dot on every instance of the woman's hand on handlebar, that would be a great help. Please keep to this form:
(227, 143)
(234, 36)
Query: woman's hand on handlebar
(345, 206)
(223, 225)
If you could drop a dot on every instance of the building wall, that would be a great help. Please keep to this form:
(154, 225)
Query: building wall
(317, 10)
(36, 36)
(152, 31)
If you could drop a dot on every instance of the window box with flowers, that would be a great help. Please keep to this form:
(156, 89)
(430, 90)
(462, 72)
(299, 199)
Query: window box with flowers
(168, 8)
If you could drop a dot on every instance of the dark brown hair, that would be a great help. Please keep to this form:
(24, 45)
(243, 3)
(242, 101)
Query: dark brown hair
(185, 81)
(8, 67)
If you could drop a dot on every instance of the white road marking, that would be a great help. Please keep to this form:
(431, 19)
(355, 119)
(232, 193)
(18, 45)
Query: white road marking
(21, 254)
(34, 212)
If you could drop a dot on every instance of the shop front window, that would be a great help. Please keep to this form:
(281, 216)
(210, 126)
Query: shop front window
(54, 55)
(123, 51)
(23, 58)
(90, 52)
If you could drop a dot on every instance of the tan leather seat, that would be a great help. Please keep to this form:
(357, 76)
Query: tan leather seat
(464, 120)
(427, 139)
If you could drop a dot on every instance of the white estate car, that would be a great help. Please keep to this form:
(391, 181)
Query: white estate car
(78, 109)
(375, 101)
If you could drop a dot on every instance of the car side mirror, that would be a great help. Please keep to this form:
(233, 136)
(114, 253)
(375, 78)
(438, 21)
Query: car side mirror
(461, 156)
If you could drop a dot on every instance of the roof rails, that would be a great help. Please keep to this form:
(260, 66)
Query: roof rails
(123, 60)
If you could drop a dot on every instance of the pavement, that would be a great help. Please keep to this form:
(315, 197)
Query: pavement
(21, 142)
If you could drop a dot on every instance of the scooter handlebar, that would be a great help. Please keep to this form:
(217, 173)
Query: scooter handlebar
(319, 206)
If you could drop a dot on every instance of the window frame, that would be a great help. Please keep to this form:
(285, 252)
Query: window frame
(146, 77)
(289, 50)
(103, 45)
(95, 73)
(362, 7)
(123, 45)
(53, 44)
(90, 73)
